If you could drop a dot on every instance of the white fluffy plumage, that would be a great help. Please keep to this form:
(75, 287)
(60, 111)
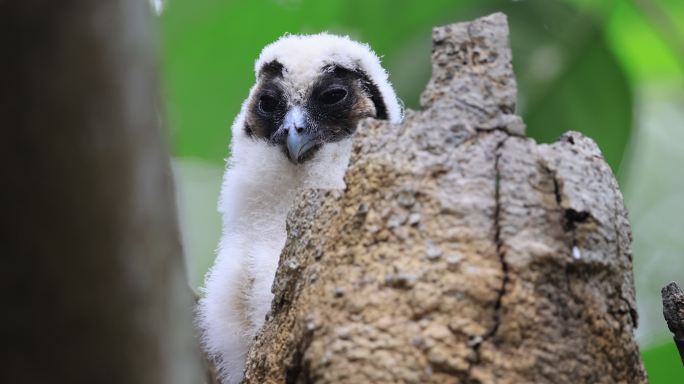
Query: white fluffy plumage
(259, 186)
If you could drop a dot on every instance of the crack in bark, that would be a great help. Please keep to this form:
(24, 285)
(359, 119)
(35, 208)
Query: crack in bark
(502, 128)
(633, 315)
(567, 224)
(570, 216)
(504, 265)
(297, 372)
(570, 219)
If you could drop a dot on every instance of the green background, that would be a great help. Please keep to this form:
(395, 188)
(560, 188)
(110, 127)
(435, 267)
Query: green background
(613, 70)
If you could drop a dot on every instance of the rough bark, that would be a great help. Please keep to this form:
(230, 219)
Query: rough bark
(673, 310)
(92, 276)
(461, 251)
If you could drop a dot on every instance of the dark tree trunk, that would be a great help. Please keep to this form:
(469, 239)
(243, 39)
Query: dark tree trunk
(92, 277)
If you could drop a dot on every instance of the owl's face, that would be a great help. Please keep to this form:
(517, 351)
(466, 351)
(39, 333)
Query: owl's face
(301, 114)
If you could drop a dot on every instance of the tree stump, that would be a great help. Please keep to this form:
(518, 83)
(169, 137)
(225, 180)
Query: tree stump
(461, 251)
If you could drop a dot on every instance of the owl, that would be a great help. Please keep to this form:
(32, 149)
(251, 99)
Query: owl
(293, 132)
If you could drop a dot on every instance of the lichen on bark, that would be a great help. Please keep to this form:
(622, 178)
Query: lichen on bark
(461, 251)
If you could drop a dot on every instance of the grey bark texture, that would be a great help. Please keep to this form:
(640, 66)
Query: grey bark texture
(673, 310)
(461, 251)
(92, 275)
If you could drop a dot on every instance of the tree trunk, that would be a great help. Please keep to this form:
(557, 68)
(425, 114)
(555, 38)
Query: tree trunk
(92, 277)
(461, 251)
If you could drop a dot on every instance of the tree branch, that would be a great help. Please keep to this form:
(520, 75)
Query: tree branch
(673, 310)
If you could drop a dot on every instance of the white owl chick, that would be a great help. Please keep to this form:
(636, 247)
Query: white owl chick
(293, 132)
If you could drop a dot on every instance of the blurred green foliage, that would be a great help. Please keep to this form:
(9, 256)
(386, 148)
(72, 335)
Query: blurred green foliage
(569, 78)
(663, 364)
(578, 64)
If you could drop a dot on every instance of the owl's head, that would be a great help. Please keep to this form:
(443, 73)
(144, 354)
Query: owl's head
(312, 90)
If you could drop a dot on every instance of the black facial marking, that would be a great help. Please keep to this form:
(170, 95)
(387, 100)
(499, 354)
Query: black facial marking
(369, 86)
(333, 106)
(248, 130)
(268, 103)
(375, 95)
(271, 69)
(333, 95)
(331, 102)
(267, 110)
(268, 106)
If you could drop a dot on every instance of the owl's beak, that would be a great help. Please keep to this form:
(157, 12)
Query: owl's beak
(299, 139)
(299, 143)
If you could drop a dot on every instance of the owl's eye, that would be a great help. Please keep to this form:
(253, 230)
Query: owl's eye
(333, 96)
(268, 103)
